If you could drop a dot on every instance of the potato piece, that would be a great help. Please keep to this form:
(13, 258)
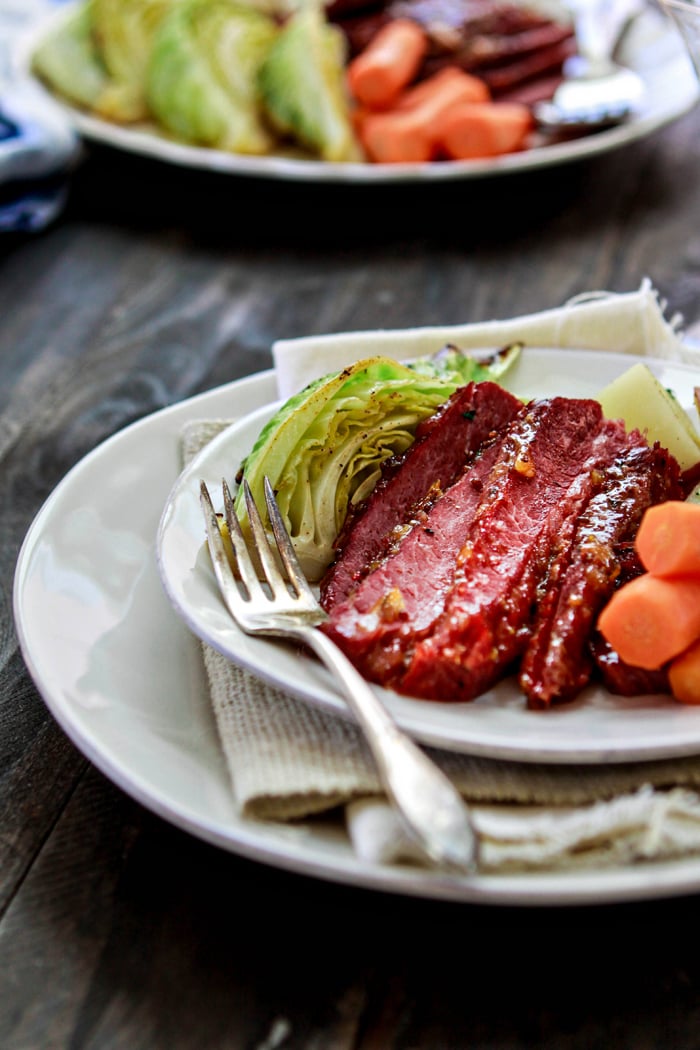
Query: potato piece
(638, 398)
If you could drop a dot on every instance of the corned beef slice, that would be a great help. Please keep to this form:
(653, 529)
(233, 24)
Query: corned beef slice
(400, 601)
(512, 563)
(622, 679)
(444, 443)
(543, 479)
(484, 565)
(557, 662)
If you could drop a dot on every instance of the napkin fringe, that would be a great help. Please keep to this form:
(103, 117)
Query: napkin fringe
(643, 826)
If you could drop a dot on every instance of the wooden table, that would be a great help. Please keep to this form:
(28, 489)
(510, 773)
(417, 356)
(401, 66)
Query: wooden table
(118, 930)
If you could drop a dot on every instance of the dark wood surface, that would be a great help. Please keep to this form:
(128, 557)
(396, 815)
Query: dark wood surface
(120, 931)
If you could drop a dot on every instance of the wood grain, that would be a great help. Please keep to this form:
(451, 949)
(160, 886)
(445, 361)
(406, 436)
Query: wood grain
(117, 930)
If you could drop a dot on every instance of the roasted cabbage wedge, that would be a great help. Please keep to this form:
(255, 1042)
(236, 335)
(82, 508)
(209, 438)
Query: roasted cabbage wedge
(124, 31)
(324, 448)
(69, 62)
(246, 76)
(453, 364)
(202, 76)
(302, 85)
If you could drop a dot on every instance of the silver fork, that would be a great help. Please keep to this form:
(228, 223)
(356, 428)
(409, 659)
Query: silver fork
(432, 811)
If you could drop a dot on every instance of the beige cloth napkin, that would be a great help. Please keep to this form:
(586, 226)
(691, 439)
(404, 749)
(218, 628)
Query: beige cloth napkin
(289, 760)
(630, 323)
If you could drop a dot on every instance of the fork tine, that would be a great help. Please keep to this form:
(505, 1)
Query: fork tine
(284, 543)
(245, 564)
(268, 564)
(220, 559)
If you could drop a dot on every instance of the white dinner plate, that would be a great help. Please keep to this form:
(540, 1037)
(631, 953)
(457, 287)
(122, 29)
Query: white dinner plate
(654, 49)
(123, 675)
(597, 727)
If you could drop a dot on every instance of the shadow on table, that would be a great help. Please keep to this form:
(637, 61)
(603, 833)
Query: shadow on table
(224, 209)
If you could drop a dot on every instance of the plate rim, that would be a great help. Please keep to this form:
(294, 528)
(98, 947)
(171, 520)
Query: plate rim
(475, 742)
(264, 843)
(143, 141)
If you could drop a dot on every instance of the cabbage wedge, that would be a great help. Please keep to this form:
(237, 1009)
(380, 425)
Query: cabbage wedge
(302, 85)
(124, 31)
(453, 363)
(68, 61)
(202, 75)
(323, 450)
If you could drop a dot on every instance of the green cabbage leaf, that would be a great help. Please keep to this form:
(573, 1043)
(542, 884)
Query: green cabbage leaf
(302, 86)
(202, 75)
(453, 363)
(124, 31)
(324, 448)
(68, 61)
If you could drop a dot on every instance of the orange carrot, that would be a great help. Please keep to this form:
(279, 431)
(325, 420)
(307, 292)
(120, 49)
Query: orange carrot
(651, 619)
(668, 539)
(484, 129)
(406, 133)
(396, 138)
(684, 675)
(388, 64)
(448, 85)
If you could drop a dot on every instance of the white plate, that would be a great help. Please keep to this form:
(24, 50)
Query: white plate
(655, 50)
(596, 728)
(123, 676)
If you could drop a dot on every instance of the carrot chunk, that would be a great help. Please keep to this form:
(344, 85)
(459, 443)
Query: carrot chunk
(467, 132)
(407, 133)
(684, 675)
(668, 539)
(449, 85)
(652, 619)
(388, 64)
(396, 138)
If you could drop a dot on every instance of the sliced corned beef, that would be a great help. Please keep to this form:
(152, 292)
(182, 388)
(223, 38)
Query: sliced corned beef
(622, 679)
(444, 444)
(557, 662)
(445, 614)
(401, 599)
(542, 479)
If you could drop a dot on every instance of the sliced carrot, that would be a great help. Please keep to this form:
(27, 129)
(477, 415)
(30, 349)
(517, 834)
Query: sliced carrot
(684, 675)
(668, 539)
(466, 132)
(388, 64)
(396, 138)
(406, 133)
(651, 619)
(449, 85)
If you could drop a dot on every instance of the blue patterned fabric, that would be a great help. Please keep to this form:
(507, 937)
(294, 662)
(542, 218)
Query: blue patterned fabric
(38, 148)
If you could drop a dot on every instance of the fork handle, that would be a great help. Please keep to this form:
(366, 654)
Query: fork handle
(433, 812)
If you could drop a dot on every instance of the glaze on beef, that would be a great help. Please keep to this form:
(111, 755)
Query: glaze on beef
(510, 563)
(444, 443)
(557, 663)
(400, 601)
(543, 479)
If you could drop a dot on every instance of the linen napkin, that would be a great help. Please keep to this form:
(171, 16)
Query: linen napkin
(289, 760)
(38, 148)
(629, 323)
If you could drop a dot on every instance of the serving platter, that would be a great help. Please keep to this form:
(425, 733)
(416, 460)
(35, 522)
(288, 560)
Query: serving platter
(655, 50)
(596, 728)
